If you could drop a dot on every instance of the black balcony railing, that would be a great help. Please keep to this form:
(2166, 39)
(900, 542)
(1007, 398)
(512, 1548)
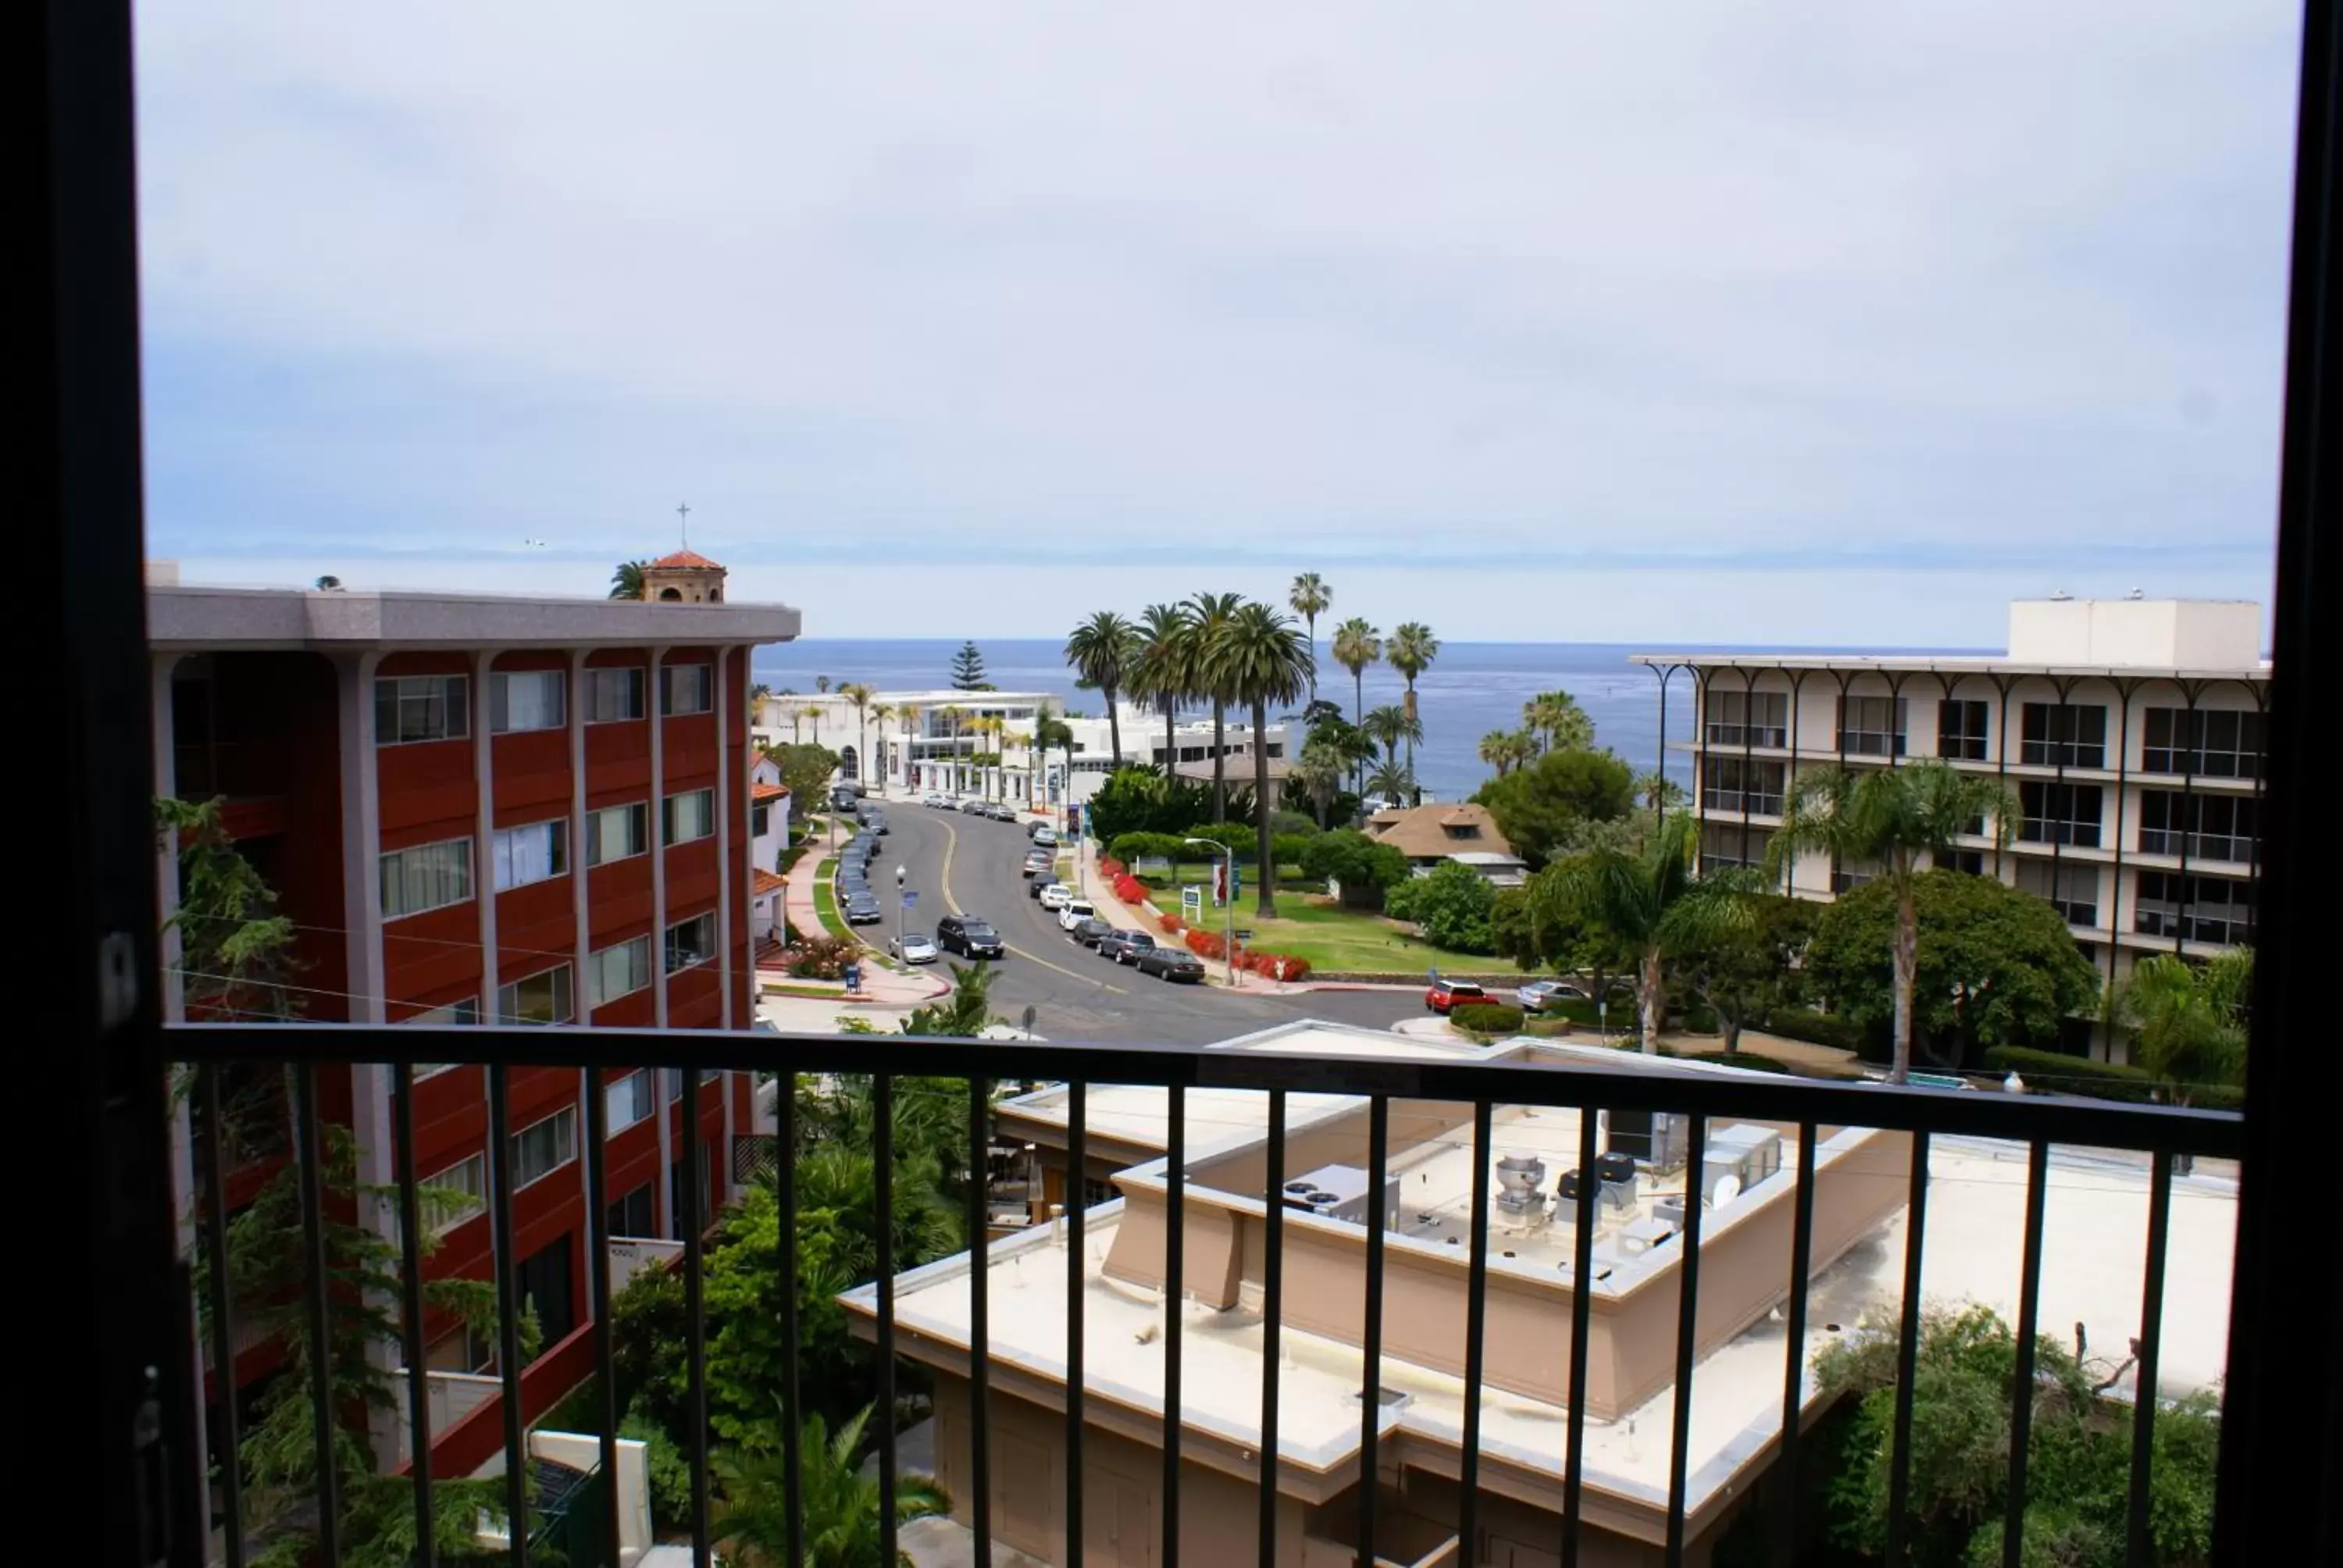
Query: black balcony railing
(2159, 1133)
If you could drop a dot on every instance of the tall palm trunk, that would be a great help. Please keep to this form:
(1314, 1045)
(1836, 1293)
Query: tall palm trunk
(1651, 998)
(1170, 740)
(1219, 761)
(1908, 969)
(1113, 732)
(1410, 741)
(1265, 890)
(1359, 717)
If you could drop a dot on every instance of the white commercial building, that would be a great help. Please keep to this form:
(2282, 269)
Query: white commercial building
(959, 743)
(2129, 730)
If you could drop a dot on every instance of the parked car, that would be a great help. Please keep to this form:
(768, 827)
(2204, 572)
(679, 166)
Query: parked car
(1039, 861)
(1088, 930)
(1045, 836)
(972, 806)
(1035, 827)
(1056, 896)
(1123, 946)
(1040, 883)
(1171, 964)
(1074, 912)
(931, 798)
(971, 936)
(916, 947)
(1444, 994)
(844, 796)
(861, 910)
(1002, 812)
(1534, 995)
(875, 819)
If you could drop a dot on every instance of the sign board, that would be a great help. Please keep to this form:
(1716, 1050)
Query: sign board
(1245, 933)
(1074, 821)
(1191, 901)
(1151, 866)
(911, 900)
(1221, 881)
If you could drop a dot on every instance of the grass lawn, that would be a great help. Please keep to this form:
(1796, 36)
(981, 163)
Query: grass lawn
(825, 901)
(1332, 937)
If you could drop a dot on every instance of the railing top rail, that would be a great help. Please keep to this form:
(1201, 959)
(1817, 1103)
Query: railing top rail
(1642, 1086)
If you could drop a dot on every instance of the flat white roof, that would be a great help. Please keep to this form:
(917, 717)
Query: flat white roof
(199, 618)
(1943, 664)
(2092, 1270)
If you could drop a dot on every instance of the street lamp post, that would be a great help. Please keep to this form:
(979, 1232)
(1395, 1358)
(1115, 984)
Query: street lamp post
(1228, 906)
(899, 914)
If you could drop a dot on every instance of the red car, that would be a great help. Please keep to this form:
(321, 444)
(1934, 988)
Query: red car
(1444, 994)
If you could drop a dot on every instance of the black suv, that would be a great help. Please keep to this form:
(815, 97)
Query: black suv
(1088, 930)
(971, 936)
(1167, 962)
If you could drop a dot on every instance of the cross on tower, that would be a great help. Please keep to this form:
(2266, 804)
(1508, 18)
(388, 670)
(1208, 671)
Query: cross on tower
(684, 512)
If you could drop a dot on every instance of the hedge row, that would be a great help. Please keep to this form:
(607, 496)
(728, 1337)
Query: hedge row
(1815, 1027)
(1486, 1017)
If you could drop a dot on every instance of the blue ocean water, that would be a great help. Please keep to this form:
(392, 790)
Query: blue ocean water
(1472, 689)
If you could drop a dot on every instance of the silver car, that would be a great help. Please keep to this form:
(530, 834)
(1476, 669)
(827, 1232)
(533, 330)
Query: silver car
(916, 947)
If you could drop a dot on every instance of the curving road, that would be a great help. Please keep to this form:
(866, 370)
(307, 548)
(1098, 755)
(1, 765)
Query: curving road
(969, 865)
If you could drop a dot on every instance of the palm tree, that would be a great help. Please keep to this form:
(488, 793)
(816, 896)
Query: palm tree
(1659, 791)
(757, 695)
(1387, 726)
(1557, 720)
(1163, 674)
(1052, 731)
(1259, 657)
(1390, 780)
(1502, 750)
(2188, 1021)
(859, 694)
(1319, 769)
(1894, 817)
(1358, 645)
(627, 581)
(841, 1502)
(909, 712)
(881, 712)
(1102, 651)
(1410, 651)
(1651, 901)
(1211, 612)
(1311, 597)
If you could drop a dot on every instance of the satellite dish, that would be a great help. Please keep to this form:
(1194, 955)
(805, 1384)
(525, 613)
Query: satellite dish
(1726, 1190)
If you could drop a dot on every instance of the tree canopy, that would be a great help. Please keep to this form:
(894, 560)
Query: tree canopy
(1362, 867)
(1744, 972)
(806, 771)
(1995, 966)
(1540, 805)
(968, 670)
(1451, 906)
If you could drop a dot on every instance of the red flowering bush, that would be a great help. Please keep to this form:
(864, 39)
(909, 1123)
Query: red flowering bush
(1171, 924)
(1110, 867)
(1266, 965)
(1207, 944)
(1129, 889)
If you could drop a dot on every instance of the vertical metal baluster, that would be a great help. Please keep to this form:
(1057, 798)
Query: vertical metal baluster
(410, 1327)
(1687, 1325)
(507, 1266)
(226, 1430)
(695, 1306)
(1794, 1342)
(1272, 1322)
(882, 1192)
(2140, 1548)
(2021, 1393)
(1582, 1329)
(979, 1321)
(1907, 1352)
(1371, 1408)
(1175, 1279)
(310, 1157)
(1077, 1202)
(1477, 1334)
(597, 1292)
(785, 1193)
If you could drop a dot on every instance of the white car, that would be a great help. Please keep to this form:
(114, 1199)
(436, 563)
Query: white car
(932, 799)
(1073, 913)
(1046, 837)
(1057, 896)
(917, 948)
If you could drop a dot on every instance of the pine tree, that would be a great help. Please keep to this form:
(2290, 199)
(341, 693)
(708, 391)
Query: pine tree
(968, 670)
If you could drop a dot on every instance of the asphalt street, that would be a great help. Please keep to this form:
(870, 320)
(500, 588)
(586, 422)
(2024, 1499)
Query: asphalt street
(970, 865)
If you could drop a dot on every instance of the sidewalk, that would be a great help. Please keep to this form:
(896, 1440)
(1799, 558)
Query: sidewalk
(1115, 912)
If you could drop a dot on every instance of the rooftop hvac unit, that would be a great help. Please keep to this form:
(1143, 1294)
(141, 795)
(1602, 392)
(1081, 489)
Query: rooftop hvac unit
(1620, 1195)
(1518, 1175)
(1737, 1158)
(1340, 1193)
(1659, 1138)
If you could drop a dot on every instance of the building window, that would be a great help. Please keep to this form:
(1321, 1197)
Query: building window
(542, 998)
(629, 1099)
(2062, 735)
(689, 815)
(615, 832)
(456, 1194)
(2217, 910)
(2059, 813)
(687, 689)
(631, 1215)
(1848, 875)
(691, 942)
(2071, 890)
(673, 1079)
(613, 695)
(1871, 726)
(2219, 743)
(760, 821)
(522, 699)
(1749, 718)
(411, 707)
(533, 853)
(1724, 845)
(543, 1147)
(619, 971)
(547, 1288)
(466, 1011)
(1961, 729)
(1968, 862)
(427, 877)
(2201, 827)
(1739, 784)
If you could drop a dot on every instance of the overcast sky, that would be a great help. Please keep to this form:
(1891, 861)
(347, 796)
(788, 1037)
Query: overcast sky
(1772, 322)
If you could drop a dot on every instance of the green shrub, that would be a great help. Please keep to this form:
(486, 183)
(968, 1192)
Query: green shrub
(667, 1471)
(1576, 1010)
(1362, 867)
(1748, 1058)
(1237, 836)
(1130, 847)
(1288, 849)
(1286, 824)
(1700, 1019)
(1487, 1017)
(1815, 1027)
(1549, 1028)
(2056, 1072)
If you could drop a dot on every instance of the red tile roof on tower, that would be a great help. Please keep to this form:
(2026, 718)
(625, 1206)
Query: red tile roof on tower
(760, 790)
(689, 559)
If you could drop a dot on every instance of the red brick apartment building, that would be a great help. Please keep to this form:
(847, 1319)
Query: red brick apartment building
(481, 808)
